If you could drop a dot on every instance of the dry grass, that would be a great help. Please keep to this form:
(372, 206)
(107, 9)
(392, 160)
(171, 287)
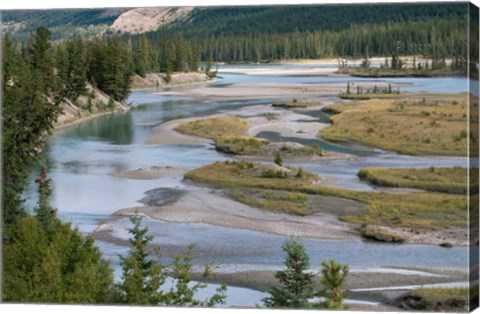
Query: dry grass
(448, 180)
(289, 203)
(379, 234)
(214, 128)
(239, 145)
(387, 72)
(414, 126)
(416, 210)
(295, 104)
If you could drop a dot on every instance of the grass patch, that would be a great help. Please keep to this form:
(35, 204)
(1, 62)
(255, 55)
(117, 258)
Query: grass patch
(239, 145)
(379, 234)
(419, 210)
(388, 72)
(366, 96)
(289, 203)
(436, 299)
(311, 150)
(413, 126)
(214, 128)
(295, 104)
(448, 180)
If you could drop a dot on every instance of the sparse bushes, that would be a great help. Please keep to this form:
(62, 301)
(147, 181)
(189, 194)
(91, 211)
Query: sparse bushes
(277, 174)
(239, 145)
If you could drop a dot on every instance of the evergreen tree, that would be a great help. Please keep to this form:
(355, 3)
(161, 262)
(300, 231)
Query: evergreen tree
(42, 60)
(142, 276)
(333, 277)
(46, 261)
(27, 115)
(194, 56)
(183, 292)
(278, 159)
(45, 213)
(179, 53)
(71, 69)
(297, 284)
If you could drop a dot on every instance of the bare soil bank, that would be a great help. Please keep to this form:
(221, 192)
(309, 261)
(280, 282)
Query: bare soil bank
(158, 80)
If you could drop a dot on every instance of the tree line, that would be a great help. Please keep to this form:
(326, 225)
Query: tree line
(432, 39)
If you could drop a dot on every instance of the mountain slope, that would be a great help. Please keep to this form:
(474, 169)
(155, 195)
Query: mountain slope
(62, 23)
(141, 20)
(245, 20)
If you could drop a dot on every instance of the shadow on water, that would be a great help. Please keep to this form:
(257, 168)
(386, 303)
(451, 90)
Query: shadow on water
(116, 129)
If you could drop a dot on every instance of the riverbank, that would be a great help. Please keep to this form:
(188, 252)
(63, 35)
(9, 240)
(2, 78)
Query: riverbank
(159, 80)
(93, 104)
(261, 90)
(215, 207)
(375, 72)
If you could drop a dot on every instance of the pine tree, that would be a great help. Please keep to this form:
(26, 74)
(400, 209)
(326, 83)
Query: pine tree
(297, 284)
(27, 115)
(46, 261)
(183, 293)
(142, 276)
(42, 60)
(179, 53)
(45, 213)
(333, 277)
(278, 159)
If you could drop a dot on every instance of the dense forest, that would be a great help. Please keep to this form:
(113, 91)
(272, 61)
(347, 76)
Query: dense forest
(266, 33)
(251, 20)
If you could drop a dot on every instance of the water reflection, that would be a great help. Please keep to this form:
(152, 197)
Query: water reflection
(116, 129)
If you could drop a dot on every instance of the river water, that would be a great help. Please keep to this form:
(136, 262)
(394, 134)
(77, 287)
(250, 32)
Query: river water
(80, 159)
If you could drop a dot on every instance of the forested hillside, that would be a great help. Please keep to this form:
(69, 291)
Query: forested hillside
(247, 20)
(61, 23)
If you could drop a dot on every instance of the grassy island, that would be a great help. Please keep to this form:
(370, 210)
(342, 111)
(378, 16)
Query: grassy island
(411, 125)
(213, 128)
(404, 72)
(447, 180)
(414, 210)
(295, 104)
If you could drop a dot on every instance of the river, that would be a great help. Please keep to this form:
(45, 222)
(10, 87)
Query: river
(81, 159)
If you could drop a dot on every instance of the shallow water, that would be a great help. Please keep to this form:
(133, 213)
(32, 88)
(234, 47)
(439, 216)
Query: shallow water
(80, 159)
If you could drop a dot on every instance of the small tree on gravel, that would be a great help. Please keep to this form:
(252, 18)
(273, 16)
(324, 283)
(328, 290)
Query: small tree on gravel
(333, 277)
(143, 277)
(278, 159)
(297, 284)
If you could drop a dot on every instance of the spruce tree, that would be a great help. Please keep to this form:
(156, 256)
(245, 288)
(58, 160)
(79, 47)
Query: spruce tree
(142, 276)
(278, 159)
(183, 293)
(42, 60)
(297, 284)
(47, 261)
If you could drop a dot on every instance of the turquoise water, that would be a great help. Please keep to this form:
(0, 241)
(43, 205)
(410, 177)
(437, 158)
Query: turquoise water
(80, 159)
